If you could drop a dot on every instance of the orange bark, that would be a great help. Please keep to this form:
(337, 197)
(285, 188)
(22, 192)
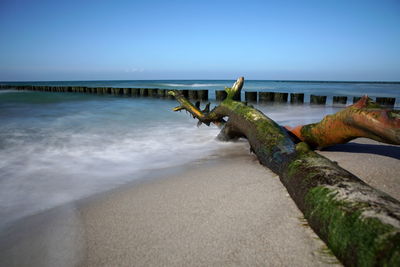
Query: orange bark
(362, 119)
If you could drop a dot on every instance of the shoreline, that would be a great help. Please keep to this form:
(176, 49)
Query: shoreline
(248, 205)
(228, 200)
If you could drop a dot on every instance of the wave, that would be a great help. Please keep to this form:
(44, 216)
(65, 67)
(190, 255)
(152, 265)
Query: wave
(48, 161)
(190, 85)
(11, 91)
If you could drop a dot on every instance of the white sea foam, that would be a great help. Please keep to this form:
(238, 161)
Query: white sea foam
(68, 166)
(63, 151)
(190, 84)
(6, 91)
(59, 159)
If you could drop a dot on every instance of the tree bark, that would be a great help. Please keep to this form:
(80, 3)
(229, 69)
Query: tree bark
(363, 119)
(361, 225)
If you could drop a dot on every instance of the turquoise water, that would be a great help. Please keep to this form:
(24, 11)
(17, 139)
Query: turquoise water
(60, 147)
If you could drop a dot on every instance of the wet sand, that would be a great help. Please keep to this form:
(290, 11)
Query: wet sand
(225, 211)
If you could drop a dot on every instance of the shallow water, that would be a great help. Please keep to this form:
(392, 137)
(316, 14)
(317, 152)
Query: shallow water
(60, 147)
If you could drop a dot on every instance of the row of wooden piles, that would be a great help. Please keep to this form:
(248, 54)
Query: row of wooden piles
(298, 98)
(132, 92)
(220, 95)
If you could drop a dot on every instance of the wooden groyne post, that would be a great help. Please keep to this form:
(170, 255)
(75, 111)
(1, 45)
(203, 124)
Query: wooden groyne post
(386, 101)
(317, 99)
(220, 95)
(339, 100)
(272, 97)
(296, 98)
(202, 95)
(250, 97)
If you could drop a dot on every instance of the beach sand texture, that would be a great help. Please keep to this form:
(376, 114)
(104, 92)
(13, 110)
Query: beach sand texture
(224, 211)
(233, 213)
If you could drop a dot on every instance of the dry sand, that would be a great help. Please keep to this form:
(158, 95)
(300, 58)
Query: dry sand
(227, 211)
(232, 213)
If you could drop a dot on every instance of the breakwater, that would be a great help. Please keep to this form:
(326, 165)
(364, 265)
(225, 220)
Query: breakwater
(203, 94)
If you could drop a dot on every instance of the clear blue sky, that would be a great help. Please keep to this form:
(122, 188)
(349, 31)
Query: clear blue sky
(301, 40)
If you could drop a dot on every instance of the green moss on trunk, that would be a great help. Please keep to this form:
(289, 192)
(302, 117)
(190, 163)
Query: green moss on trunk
(357, 239)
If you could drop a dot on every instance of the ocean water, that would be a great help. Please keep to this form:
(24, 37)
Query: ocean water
(350, 89)
(60, 147)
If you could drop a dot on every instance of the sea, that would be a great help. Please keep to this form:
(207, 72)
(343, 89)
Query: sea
(57, 148)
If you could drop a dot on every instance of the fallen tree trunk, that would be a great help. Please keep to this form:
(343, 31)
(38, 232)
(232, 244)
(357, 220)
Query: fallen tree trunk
(363, 119)
(361, 225)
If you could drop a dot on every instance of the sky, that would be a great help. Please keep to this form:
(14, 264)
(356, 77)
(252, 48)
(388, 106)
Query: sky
(345, 40)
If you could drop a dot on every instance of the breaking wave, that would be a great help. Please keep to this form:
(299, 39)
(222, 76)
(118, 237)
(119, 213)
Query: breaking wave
(190, 84)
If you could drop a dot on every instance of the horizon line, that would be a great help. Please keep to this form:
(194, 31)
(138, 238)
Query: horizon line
(268, 80)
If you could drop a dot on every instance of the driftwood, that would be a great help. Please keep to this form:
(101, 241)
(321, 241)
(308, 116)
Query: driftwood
(363, 119)
(361, 225)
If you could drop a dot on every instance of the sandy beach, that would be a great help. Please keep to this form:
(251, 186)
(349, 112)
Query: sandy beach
(232, 213)
(112, 116)
(224, 211)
